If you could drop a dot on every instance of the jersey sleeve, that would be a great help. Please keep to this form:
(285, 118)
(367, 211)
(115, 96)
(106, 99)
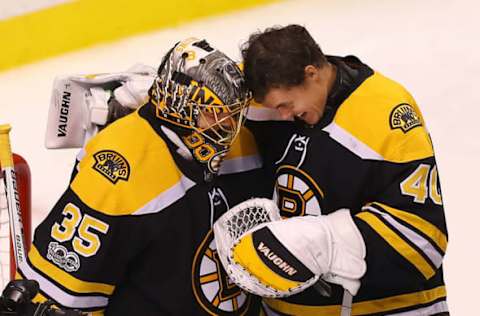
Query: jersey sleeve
(404, 218)
(406, 223)
(108, 215)
(79, 254)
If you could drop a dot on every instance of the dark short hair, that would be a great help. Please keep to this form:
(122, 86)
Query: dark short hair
(277, 57)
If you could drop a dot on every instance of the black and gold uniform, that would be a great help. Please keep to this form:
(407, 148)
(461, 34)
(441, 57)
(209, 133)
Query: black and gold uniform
(132, 233)
(370, 153)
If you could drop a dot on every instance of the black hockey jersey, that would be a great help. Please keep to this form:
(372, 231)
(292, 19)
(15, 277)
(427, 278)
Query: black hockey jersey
(370, 153)
(132, 233)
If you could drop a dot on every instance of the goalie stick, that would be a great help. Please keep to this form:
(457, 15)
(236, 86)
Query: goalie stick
(13, 201)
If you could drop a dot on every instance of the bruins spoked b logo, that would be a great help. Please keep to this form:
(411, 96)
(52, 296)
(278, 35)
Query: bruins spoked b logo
(111, 165)
(404, 117)
(296, 193)
(211, 285)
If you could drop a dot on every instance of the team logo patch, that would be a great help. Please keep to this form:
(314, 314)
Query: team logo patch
(404, 117)
(213, 289)
(296, 193)
(67, 260)
(111, 165)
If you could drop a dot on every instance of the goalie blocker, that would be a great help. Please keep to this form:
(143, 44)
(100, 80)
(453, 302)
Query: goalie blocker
(81, 104)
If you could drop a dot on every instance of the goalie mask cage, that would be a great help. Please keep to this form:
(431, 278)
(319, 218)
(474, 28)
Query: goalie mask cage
(7, 258)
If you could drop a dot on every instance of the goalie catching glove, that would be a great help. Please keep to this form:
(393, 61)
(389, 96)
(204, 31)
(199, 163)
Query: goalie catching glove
(271, 257)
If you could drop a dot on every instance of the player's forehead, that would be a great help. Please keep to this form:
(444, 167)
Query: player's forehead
(280, 96)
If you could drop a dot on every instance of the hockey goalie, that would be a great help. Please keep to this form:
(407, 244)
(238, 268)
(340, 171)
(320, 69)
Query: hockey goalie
(132, 234)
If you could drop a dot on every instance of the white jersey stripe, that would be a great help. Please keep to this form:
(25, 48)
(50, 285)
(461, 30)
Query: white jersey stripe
(59, 295)
(351, 142)
(240, 164)
(439, 307)
(415, 238)
(167, 197)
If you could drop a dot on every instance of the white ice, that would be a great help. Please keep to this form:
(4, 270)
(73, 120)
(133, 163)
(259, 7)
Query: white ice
(432, 47)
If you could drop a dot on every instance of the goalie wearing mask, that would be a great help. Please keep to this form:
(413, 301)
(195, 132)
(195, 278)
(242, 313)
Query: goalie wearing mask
(132, 234)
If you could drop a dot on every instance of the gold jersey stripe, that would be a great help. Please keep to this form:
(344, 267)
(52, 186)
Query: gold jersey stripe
(245, 254)
(376, 133)
(397, 243)
(400, 301)
(435, 234)
(65, 279)
(361, 308)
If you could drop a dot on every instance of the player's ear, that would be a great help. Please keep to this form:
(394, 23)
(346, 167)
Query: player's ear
(311, 71)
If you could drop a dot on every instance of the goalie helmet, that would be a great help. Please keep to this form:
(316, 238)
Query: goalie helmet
(202, 91)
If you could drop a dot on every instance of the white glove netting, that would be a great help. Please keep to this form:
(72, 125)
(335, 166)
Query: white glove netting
(247, 219)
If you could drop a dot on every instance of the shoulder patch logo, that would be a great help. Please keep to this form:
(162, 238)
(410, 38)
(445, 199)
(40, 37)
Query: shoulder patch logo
(111, 165)
(404, 117)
